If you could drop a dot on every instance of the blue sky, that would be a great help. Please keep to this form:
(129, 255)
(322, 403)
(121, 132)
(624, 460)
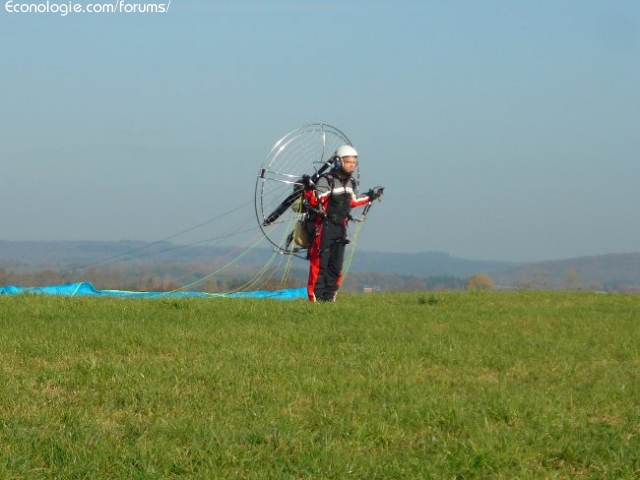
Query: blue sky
(501, 130)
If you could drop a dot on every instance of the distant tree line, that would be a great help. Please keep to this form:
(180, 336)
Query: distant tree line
(198, 277)
(163, 277)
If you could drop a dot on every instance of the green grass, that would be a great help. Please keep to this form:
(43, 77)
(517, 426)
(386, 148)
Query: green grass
(424, 385)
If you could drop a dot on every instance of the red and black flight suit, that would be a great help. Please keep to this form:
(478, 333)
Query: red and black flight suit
(335, 195)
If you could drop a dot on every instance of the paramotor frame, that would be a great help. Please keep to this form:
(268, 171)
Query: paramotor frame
(307, 150)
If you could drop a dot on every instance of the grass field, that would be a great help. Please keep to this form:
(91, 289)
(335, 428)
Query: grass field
(385, 386)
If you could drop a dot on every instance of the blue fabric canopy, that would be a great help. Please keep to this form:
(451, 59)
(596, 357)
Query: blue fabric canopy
(87, 289)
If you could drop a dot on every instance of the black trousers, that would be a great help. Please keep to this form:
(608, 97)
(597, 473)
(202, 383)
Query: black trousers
(330, 260)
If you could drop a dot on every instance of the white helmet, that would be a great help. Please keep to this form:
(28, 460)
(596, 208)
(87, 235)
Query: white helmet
(346, 151)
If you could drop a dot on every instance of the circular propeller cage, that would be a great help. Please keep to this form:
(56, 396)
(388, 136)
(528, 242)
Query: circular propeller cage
(307, 150)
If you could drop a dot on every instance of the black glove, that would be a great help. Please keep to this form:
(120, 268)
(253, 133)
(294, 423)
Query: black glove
(375, 193)
(307, 182)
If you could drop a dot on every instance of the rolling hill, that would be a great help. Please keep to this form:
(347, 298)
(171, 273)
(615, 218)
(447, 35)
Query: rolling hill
(608, 272)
